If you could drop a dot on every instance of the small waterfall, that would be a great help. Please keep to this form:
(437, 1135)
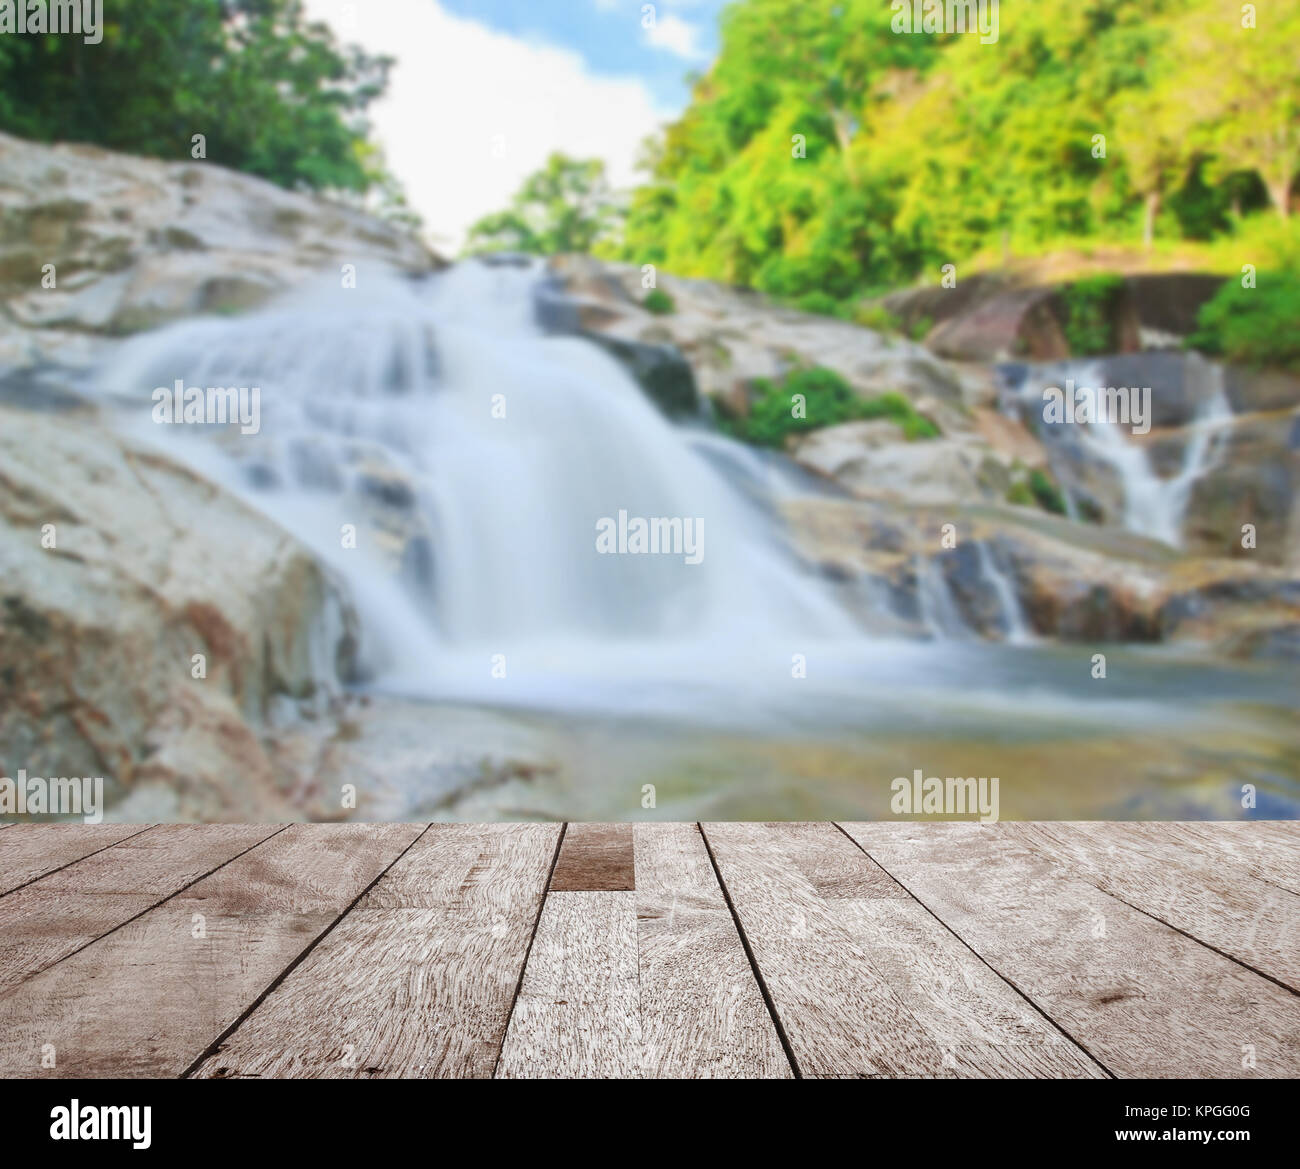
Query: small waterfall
(1010, 613)
(1153, 505)
(938, 610)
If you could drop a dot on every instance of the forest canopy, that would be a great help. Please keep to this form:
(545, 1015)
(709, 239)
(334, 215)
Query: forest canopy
(825, 154)
(271, 94)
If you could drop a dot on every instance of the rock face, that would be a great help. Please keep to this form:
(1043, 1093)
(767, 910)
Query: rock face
(733, 336)
(130, 243)
(153, 630)
(1224, 432)
(1015, 570)
(988, 317)
(1016, 323)
(115, 572)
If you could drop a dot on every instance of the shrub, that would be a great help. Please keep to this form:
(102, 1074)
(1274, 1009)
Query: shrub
(920, 328)
(1089, 325)
(1045, 492)
(877, 317)
(659, 302)
(821, 304)
(1254, 326)
(1038, 488)
(827, 400)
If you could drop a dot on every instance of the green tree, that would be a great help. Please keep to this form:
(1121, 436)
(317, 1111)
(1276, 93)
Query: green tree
(824, 154)
(567, 206)
(1248, 117)
(272, 94)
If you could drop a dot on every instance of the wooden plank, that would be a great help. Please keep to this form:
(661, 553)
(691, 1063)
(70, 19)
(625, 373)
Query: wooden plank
(1240, 915)
(44, 922)
(1142, 998)
(702, 1011)
(418, 979)
(151, 997)
(651, 982)
(32, 850)
(1266, 850)
(865, 981)
(594, 857)
(577, 1014)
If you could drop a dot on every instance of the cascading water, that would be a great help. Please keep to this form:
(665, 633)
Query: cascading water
(474, 457)
(470, 459)
(1156, 506)
(1153, 505)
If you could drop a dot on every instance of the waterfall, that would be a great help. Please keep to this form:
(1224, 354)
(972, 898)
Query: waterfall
(1015, 627)
(1156, 506)
(474, 458)
(1153, 505)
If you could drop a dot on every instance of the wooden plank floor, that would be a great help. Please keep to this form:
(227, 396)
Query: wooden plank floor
(716, 950)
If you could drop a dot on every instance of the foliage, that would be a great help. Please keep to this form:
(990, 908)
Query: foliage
(1036, 488)
(567, 206)
(821, 304)
(1255, 326)
(823, 155)
(272, 94)
(659, 302)
(826, 399)
(876, 316)
(1089, 324)
(1046, 492)
(920, 329)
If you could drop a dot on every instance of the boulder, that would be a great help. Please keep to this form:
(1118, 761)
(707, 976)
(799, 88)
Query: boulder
(117, 571)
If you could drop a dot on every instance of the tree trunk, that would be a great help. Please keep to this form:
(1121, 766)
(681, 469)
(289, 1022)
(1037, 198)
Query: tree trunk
(1280, 193)
(1149, 219)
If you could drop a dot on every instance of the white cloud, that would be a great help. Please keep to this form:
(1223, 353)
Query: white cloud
(676, 35)
(471, 111)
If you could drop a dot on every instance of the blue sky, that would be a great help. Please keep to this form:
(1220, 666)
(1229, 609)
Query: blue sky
(482, 91)
(609, 36)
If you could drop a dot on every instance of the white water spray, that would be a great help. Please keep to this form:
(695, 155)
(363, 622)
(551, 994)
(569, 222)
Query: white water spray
(474, 457)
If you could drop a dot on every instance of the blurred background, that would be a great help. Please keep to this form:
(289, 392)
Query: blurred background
(493, 273)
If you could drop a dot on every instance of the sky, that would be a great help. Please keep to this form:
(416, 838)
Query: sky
(484, 90)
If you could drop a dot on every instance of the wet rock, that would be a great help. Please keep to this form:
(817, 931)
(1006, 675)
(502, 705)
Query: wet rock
(660, 370)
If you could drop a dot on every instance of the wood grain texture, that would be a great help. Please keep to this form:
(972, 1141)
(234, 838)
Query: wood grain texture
(1266, 850)
(1142, 999)
(578, 1013)
(46, 921)
(418, 979)
(151, 997)
(865, 981)
(595, 857)
(1246, 918)
(29, 851)
(702, 1011)
(653, 982)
